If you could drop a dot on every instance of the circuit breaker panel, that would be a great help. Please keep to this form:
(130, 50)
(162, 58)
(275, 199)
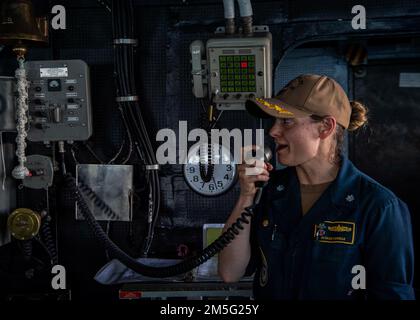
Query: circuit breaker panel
(59, 100)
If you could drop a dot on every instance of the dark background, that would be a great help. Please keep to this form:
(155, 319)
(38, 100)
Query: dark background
(308, 36)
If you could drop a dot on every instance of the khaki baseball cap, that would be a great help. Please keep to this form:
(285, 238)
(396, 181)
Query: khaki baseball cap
(308, 94)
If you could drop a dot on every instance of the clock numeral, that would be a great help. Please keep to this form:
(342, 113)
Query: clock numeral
(191, 169)
(195, 178)
(211, 187)
(226, 177)
(220, 184)
(228, 167)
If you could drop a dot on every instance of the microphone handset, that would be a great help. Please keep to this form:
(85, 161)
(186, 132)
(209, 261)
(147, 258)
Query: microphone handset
(261, 184)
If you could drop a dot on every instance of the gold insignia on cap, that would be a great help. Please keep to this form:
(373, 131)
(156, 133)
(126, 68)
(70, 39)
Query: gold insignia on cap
(275, 107)
(265, 223)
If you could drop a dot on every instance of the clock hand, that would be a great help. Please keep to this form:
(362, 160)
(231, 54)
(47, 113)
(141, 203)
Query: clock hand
(215, 183)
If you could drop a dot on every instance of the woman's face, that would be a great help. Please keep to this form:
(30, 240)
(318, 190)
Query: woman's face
(297, 140)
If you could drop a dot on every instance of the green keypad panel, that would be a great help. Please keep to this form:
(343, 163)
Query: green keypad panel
(237, 73)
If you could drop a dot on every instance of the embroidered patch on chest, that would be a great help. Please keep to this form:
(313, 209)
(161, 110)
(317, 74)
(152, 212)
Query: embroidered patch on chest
(335, 232)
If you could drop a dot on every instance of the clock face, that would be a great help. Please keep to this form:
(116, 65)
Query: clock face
(218, 179)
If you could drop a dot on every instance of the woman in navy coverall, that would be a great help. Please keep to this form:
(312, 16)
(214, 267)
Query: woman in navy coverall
(323, 229)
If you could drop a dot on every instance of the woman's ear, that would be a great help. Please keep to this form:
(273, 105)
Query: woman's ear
(327, 127)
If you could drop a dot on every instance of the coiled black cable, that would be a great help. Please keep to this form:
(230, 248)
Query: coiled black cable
(89, 193)
(149, 271)
(206, 173)
(206, 156)
(48, 240)
(27, 249)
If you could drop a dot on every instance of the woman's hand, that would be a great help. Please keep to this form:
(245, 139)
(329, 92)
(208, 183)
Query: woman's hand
(251, 173)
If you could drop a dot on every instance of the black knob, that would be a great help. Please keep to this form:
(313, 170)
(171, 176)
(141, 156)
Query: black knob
(70, 100)
(71, 88)
(238, 96)
(37, 101)
(251, 96)
(225, 96)
(38, 172)
(38, 89)
(260, 73)
(39, 126)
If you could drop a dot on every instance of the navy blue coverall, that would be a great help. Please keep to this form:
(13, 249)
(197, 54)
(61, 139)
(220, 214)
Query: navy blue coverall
(355, 222)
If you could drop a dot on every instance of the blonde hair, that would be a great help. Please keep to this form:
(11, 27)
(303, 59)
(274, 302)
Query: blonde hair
(358, 116)
(358, 119)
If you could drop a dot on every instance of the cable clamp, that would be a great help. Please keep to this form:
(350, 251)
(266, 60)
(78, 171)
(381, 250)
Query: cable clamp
(152, 167)
(126, 41)
(127, 98)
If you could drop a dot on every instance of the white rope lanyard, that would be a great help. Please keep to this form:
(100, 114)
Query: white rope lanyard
(20, 171)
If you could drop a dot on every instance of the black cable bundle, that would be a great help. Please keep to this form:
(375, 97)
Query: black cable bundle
(123, 33)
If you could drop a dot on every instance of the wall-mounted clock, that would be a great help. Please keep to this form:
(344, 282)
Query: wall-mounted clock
(210, 179)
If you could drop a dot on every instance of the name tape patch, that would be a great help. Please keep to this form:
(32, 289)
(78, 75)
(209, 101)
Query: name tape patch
(335, 232)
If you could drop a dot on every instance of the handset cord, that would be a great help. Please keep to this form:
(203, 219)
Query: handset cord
(156, 272)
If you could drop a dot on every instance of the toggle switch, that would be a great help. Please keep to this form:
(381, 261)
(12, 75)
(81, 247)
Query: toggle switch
(57, 115)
